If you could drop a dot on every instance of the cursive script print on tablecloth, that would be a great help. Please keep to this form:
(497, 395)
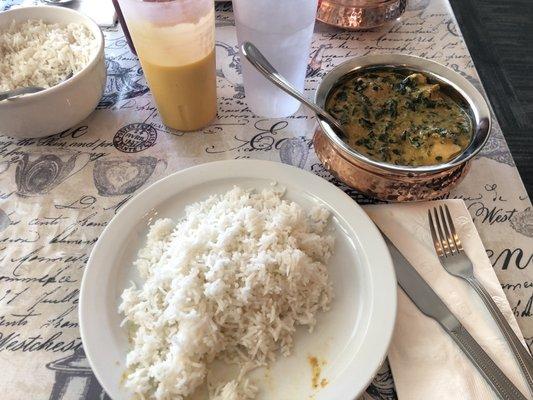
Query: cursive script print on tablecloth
(50, 221)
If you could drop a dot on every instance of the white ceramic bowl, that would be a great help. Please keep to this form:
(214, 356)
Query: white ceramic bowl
(62, 106)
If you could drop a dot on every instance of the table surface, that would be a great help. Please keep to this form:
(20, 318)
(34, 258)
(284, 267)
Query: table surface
(57, 193)
(498, 35)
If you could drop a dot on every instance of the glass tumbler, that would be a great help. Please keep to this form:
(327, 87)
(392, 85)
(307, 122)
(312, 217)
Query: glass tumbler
(282, 30)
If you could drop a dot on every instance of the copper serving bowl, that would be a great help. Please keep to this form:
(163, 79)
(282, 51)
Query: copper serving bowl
(391, 182)
(359, 14)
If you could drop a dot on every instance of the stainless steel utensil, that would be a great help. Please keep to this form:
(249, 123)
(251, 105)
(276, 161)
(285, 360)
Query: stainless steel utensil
(12, 94)
(431, 305)
(56, 2)
(452, 257)
(258, 60)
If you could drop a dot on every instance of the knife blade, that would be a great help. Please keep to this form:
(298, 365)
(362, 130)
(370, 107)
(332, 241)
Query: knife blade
(427, 301)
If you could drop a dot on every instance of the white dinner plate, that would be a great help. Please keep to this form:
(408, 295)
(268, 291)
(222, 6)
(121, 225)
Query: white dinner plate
(350, 341)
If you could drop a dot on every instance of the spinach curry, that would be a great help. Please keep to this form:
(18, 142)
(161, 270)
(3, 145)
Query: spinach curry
(399, 119)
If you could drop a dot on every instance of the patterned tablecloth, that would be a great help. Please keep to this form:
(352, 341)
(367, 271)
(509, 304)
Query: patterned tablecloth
(57, 193)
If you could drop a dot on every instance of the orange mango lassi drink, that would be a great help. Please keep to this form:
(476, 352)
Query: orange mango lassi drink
(175, 42)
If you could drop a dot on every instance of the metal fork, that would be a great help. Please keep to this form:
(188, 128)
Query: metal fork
(452, 257)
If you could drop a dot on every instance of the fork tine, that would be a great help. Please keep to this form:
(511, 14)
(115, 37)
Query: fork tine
(449, 237)
(436, 241)
(455, 236)
(443, 241)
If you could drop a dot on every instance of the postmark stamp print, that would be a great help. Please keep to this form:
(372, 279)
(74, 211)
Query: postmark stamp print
(136, 137)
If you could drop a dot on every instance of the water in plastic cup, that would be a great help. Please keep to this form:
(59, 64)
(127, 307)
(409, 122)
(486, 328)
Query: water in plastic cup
(282, 30)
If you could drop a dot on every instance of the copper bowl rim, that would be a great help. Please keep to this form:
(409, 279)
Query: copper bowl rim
(362, 3)
(477, 106)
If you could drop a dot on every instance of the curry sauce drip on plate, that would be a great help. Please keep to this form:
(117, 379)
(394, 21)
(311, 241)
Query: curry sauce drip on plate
(399, 119)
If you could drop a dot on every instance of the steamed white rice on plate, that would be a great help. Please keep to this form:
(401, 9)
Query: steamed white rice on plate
(36, 53)
(232, 280)
(349, 341)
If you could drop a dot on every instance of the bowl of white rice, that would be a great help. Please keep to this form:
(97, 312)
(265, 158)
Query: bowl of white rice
(57, 49)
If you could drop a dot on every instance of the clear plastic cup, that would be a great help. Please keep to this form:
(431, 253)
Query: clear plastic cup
(282, 30)
(175, 42)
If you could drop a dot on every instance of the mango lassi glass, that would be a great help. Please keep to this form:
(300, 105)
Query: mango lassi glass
(175, 43)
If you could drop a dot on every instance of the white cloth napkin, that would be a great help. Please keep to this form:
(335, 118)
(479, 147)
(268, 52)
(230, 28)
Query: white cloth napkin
(425, 362)
(100, 11)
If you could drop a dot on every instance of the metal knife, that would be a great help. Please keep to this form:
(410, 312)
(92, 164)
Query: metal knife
(431, 305)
